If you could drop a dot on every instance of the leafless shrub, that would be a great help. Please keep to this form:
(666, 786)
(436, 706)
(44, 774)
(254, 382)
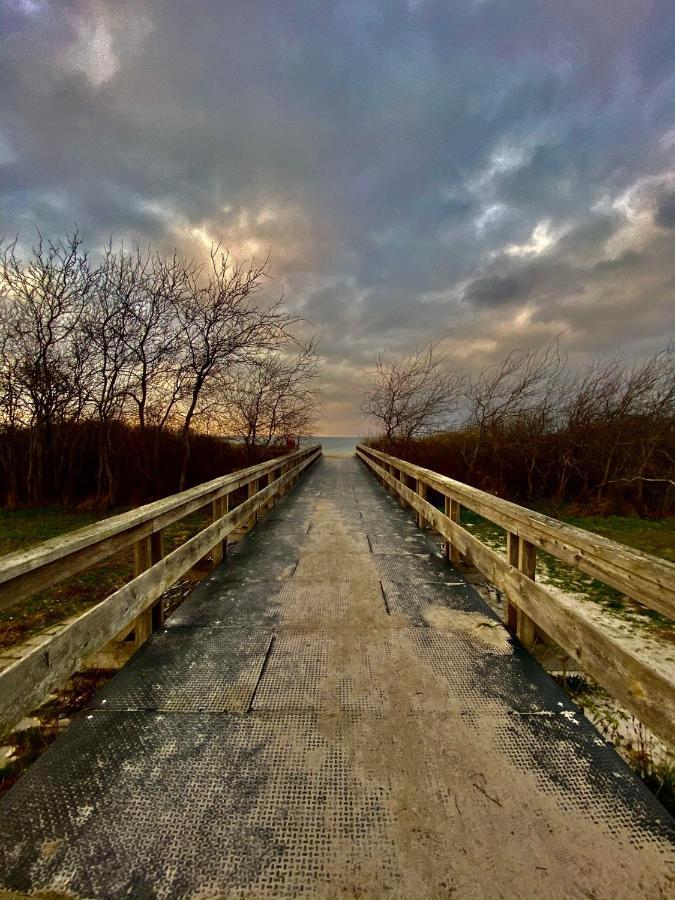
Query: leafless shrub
(413, 396)
(535, 428)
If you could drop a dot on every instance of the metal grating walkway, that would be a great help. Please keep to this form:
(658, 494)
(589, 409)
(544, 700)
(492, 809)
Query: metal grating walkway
(333, 712)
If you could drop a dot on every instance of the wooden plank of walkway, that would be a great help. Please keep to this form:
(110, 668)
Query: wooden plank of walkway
(334, 712)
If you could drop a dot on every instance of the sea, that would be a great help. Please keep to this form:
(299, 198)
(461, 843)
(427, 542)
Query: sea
(335, 445)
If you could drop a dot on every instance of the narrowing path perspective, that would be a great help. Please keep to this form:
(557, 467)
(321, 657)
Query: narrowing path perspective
(333, 712)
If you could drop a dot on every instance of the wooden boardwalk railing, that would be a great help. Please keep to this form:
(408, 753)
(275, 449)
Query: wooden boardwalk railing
(28, 672)
(643, 689)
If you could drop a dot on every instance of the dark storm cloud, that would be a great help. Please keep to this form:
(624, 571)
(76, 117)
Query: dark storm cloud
(665, 211)
(496, 290)
(413, 166)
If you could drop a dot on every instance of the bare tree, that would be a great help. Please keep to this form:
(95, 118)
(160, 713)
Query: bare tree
(48, 294)
(221, 326)
(158, 380)
(508, 391)
(273, 396)
(413, 396)
(11, 403)
(104, 332)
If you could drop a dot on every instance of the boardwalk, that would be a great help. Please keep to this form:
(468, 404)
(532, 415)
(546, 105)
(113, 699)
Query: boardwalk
(333, 712)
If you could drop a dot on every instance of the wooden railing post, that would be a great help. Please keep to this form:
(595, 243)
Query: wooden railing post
(219, 508)
(270, 503)
(403, 479)
(156, 553)
(147, 552)
(512, 554)
(142, 561)
(452, 511)
(421, 490)
(527, 563)
(252, 491)
(523, 555)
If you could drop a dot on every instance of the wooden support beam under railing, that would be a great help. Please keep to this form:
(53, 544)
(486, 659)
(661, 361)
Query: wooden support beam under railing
(453, 512)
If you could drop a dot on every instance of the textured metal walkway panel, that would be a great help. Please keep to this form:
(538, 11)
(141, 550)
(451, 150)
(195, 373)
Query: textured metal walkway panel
(314, 672)
(570, 762)
(398, 545)
(462, 671)
(319, 537)
(246, 566)
(372, 519)
(416, 568)
(316, 605)
(427, 603)
(230, 604)
(313, 565)
(145, 805)
(294, 519)
(485, 668)
(190, 669)
(295, 603)
(277, 805)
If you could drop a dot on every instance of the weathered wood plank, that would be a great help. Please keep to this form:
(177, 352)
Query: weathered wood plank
(252, 491)
(422, 492)
(647, 579)
(453, 511)
(647, 692)
(527, 564)
(512, 555)
(217, 511)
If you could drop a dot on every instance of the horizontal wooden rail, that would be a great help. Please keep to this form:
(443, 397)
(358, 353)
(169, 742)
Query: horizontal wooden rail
(648, 580)
(26, 572)
(646, 691)
(31, 670)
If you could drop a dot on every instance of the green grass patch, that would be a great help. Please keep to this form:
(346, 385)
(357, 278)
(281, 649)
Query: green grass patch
(24, 528)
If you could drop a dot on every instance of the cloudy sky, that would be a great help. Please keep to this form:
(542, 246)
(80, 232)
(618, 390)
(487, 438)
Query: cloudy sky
(493, 172)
